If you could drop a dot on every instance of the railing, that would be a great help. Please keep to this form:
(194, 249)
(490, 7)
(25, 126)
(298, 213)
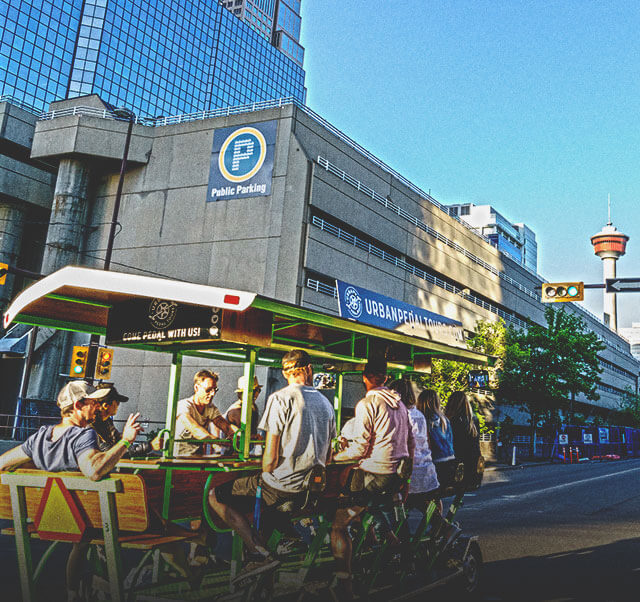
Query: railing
(174, 119)
(92, 112)
(389, 204)
(412, 269)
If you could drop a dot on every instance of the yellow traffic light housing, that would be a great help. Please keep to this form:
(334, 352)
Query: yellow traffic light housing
(559, 292)
(104, 363)
(79, 361)
(4, 268)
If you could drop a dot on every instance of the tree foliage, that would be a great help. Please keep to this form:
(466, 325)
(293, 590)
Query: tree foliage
(448, 376)
(546, 366)
(629, 408)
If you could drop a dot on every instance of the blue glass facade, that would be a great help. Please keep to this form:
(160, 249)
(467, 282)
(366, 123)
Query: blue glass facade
(158, 58)
(37, 47)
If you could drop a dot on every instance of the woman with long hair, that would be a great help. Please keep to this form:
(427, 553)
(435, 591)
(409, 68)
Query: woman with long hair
(440, 435)
(466, 438)
(424, 480)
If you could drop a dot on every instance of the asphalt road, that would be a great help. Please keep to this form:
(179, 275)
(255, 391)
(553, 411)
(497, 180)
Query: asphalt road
(561, 532)
(546, 532)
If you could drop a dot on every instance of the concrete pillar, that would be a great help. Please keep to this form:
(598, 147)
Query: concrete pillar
(65, 237)
(610, 302)
(68, 216)
(12, 218)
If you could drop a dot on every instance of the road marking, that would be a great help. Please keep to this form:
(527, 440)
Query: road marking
(511, 498)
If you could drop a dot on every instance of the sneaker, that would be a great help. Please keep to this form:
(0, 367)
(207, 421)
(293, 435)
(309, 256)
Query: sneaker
(252, 569)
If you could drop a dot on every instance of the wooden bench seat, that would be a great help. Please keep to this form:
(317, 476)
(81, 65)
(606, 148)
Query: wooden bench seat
(132, 502)
(135, 541)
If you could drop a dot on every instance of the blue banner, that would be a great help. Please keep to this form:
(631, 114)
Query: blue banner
(242, 161)
(362, 305)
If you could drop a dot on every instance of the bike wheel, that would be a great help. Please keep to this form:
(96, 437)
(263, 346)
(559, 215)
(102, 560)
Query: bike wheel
(471, 569)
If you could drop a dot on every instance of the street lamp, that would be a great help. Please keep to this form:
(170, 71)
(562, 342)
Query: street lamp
(121, 113)
(94, 341)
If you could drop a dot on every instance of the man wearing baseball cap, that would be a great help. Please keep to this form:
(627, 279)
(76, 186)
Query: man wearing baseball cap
(299, 423)
(71, 444)
(108, 434)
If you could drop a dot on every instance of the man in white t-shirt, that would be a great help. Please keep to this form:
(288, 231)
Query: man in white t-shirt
(196, 416)
(299, 423)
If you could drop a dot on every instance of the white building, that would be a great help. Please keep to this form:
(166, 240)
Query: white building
(516, 240)
(633, 336)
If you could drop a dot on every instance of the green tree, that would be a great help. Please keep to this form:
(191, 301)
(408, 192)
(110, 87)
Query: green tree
(448, 376)
(545, 367)
(629, 409)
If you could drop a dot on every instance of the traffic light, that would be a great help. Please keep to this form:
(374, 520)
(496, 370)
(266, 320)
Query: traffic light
(79, 361)
(4, 268)
(104, 363)
(556, 292)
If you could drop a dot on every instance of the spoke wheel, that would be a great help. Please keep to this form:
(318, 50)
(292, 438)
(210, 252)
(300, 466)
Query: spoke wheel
(471, 568)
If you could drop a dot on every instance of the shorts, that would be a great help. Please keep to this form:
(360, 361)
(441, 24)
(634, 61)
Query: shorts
(446, 472)
(242, 491)
(241, 495)
(375, 485)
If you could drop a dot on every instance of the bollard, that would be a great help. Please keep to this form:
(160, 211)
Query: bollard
(564, 455)
(577, 455)
(513, 456)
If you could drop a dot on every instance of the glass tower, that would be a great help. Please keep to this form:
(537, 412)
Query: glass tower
(159, 58)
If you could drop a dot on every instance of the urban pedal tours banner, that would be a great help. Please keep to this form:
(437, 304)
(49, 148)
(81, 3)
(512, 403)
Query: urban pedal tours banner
(242, 161)
(371, 308)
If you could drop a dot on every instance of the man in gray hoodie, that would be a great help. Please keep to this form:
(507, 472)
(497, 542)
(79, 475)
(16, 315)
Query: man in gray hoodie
(382, 436)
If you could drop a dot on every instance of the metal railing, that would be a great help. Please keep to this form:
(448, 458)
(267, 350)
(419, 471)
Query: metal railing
(412, 269)
(389, 204)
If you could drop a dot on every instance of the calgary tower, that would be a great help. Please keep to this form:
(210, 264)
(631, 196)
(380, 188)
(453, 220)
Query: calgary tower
(609, 245)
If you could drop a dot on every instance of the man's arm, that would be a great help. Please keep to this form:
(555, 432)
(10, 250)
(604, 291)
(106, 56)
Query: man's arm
(226, 427)
(358, 447)
(271, 455)
(13, 458)
(195, 430)
(95, 464)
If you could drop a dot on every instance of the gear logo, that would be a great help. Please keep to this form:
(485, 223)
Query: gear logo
(162, 313)
(353, 302)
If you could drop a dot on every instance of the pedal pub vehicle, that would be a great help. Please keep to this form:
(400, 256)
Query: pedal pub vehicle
(129, 508)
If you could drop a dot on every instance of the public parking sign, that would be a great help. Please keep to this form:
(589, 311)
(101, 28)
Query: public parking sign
(242, 161)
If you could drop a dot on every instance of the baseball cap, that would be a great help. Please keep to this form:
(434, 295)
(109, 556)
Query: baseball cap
(77, 390)
(296, 358)
(113, 393)
(242, 383)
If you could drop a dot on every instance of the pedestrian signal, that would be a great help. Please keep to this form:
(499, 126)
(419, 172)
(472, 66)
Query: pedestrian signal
(4, 268)
(104, 363)
(556, 292)
(79, 361)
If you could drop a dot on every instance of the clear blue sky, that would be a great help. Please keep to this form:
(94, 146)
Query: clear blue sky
(532, 107)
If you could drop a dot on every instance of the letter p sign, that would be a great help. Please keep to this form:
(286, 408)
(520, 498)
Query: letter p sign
(242, 150)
